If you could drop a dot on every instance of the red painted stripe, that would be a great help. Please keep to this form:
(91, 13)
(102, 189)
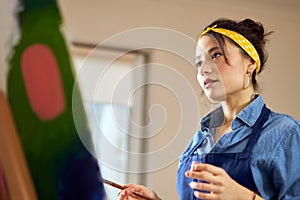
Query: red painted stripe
(42, 81)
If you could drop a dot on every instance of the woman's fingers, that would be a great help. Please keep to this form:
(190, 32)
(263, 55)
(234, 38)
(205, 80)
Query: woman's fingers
(202, 195)
(206, 173)
(137, 192)
(125, 194)
(196, 166)
(214, 183)
(205, 187)
(205, 190)
(202, 175)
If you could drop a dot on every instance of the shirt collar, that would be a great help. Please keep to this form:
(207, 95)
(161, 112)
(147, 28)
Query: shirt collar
(212, 119)
(248, 115)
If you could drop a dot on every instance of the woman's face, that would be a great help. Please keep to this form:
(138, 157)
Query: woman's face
(218, 78)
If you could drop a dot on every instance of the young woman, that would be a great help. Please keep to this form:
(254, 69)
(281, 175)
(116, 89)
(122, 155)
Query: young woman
(243, 150)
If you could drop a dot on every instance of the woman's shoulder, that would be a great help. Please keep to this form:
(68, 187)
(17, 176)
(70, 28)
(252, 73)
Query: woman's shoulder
(279, 131)
(282, 121)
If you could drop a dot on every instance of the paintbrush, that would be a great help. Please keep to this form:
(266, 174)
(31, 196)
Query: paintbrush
(116, 185)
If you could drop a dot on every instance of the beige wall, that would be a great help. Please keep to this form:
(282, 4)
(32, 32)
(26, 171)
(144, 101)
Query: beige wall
(93, 21)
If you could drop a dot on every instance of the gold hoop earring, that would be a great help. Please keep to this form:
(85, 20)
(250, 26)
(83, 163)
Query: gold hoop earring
(247, 80)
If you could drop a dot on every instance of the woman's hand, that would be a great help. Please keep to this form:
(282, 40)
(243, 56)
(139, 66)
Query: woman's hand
(134, 192)
(217, 184)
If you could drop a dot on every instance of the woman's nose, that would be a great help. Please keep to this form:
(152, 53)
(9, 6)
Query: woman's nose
(205, 68)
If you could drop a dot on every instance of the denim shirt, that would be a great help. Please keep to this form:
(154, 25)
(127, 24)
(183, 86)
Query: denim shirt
(275, 157)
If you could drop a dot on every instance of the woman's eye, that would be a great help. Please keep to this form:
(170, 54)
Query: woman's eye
(198, 64)
(216, 55)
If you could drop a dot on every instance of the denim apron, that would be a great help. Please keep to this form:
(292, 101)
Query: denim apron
(237, 165)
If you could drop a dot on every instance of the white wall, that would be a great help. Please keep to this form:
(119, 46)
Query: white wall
(93, 21)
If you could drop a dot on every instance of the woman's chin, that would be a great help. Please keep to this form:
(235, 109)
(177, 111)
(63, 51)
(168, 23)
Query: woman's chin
(216, 97)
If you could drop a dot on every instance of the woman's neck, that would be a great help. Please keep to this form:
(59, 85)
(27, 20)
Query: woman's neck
(234, 103)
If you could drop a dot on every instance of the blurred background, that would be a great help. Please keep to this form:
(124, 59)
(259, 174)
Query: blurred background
(133, 63)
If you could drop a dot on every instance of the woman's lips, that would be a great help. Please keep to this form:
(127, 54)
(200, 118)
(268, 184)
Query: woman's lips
(208, 82)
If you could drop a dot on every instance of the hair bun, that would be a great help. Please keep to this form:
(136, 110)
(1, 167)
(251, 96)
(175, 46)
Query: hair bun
(255, 28)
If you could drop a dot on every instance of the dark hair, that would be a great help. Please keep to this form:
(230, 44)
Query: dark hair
(253, 31)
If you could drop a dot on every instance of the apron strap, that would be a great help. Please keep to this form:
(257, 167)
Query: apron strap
(257, 128)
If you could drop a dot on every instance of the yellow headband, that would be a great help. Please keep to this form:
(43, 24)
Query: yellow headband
(240, 40)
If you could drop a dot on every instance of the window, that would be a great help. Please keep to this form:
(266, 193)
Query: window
(110, 82)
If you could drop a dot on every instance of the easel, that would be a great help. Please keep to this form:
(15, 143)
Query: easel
(17, 175)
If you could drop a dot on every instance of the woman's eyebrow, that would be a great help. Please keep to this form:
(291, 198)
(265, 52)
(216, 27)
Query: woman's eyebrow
(213, 48)
(209, 51)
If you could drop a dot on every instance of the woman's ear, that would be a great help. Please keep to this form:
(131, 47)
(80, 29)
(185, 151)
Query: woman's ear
(252, 65)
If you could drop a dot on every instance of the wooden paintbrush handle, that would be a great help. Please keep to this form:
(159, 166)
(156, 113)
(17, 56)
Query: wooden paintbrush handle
(113, 184)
